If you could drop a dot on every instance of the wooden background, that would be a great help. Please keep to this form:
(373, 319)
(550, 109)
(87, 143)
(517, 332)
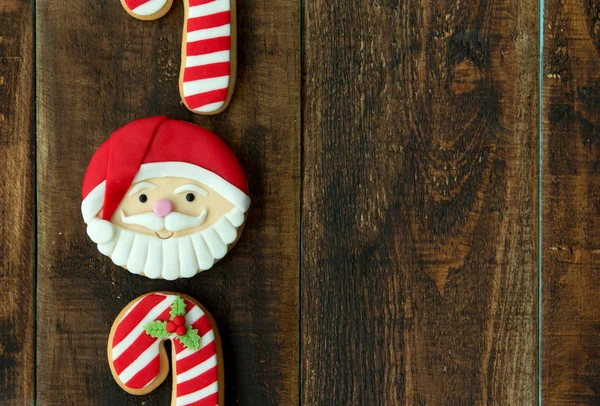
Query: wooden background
(398, 227)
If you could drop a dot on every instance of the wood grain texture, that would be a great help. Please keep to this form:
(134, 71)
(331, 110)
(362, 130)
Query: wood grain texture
(419, 192)
(98, 68)
(17, 221)
(571, 213)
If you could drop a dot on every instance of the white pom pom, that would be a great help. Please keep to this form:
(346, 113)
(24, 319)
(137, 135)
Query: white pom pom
(100, 231)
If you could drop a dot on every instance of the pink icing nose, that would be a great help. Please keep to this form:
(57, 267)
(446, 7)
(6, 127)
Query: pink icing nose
(162, 207)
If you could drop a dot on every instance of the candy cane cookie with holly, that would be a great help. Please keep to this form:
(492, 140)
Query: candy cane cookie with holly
(208, 49)
(138, 359)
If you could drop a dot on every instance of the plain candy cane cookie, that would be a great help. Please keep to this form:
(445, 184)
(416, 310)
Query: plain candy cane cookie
(208, 49)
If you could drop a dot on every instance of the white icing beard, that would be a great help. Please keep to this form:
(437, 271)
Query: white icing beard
(171, 258)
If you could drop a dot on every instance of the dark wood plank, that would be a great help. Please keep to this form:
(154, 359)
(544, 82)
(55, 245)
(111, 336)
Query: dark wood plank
(419, 195)
(571, 214)
(97, 69)
(17, 221)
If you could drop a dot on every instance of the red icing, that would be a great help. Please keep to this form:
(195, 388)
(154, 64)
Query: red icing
(128, 146)
(201, 381)
(138, 347)
(196, 358)
(208, 46)
(179, 320)
(157, 139)
(181, 330)
(135, 316)
(210, 400)
(209, 21)
(145, 375)
(203, 325)
(199, 2)
(205, 98)
(206, 71)
(135, 3)
(171, 327)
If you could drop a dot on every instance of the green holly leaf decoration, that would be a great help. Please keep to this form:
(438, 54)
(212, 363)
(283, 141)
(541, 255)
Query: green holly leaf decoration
(178, 307)
(157, 329)
(191, 339)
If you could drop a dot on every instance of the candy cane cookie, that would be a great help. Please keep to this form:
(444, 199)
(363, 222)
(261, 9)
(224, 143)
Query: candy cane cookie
(138, 359)
(208, 49)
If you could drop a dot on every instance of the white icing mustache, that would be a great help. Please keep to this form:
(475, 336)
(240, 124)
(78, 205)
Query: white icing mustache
(174, 221)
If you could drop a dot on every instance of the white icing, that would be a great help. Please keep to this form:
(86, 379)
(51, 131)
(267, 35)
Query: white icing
(141, 186)
(137, 302)
(199, 395)
(148, 220)
(205, 85)
(206, 59)
(226, 230)
(179, 221)
(100, 231)
(123, 248)
(174, 221)
(91, 205)
(193, 315)
(215, 244)
(236, 217)
(198, 369)
(204, 341)
(209, 107)
(191, 188)
(173, 257)
(170, 269)
(153, 266)
(188, 263)
(136, 366)
(137, 257)
(107, 249)
(216, 6)
(139, 329)
(150, 7)
(203, 255)
(207, 33)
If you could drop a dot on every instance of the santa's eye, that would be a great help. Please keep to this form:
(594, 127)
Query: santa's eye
(143, 198)
(190, 197)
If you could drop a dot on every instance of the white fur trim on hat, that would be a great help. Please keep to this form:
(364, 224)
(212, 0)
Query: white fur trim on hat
(91, 205)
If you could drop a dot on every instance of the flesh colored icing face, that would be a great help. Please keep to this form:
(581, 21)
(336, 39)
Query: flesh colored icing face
(170, 207)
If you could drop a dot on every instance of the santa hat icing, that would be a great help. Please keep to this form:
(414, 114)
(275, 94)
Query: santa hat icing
(158, 147)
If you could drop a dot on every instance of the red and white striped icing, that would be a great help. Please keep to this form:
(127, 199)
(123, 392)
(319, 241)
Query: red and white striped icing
(207, 49)
(135, 355)
(145, 7)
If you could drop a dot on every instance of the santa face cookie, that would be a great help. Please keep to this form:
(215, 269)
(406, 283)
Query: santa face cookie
(138, 359)
(164, 198)
(208, 49)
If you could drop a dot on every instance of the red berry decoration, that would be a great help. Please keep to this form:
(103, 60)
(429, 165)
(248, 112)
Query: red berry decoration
(179, 320)
(181, 330)
(171, 327)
